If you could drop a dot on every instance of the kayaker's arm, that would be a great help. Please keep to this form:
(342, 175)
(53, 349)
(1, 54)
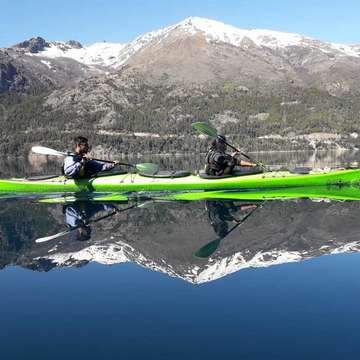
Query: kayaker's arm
(242, 162)
(95, 167)
(72, 165)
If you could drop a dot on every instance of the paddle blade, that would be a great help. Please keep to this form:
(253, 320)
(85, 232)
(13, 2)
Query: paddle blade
(47, 151)
(208, 249)
(148, 168)
(205, 128)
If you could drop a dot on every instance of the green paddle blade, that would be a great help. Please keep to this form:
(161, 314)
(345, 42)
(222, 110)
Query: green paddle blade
(148, 168)
(208, 249)
(205, 128)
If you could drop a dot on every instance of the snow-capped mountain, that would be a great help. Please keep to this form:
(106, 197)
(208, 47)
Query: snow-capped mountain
(218, 32)
(115, 55)
(198, 51)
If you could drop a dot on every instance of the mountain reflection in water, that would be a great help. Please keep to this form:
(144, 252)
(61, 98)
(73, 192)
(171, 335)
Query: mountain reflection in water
(197, 241)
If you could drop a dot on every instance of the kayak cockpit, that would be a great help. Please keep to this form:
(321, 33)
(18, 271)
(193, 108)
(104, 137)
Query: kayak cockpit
(166, 174)
(239, 172)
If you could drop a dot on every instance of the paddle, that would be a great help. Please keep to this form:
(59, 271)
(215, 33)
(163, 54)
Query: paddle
(210, 248)
(210, 131)
(143, 167)
(62, 233)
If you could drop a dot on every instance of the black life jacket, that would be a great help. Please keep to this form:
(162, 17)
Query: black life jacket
(217, 162)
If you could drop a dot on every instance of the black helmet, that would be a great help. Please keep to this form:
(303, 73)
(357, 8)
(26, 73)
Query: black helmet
(218, 142)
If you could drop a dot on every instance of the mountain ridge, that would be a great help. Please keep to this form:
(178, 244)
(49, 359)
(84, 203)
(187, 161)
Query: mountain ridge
(214, 31)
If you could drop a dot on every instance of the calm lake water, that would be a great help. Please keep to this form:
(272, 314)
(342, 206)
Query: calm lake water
(142, 279)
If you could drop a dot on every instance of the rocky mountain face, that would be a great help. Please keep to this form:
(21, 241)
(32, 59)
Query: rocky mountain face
(200, 50)
(23, 72)
(166, 237)
(258, 83)
(197, 51)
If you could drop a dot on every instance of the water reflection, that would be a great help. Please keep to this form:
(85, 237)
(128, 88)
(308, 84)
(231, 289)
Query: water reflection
(198, 241)
(221, 213)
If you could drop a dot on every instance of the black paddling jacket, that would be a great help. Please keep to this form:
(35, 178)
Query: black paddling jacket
(217, 162)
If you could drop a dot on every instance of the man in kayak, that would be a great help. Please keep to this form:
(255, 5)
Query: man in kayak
(219, 163)
(80, 164)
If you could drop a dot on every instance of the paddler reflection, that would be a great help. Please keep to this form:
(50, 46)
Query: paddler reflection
(79, 215)
(221, 214)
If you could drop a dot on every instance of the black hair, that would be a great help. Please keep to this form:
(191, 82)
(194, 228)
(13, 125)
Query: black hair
(79, 140)
(83, 233)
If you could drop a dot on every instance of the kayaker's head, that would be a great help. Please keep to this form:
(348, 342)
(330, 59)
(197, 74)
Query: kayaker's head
(219, 143)
(81, 145)
(83, 233)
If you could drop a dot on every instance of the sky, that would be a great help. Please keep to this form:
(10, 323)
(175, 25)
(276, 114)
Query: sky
(120, 21)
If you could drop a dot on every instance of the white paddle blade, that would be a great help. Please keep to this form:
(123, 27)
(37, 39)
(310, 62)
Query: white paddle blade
(51, 237)
(47, 151)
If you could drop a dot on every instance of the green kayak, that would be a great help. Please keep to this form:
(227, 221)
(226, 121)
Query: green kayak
(181, 181)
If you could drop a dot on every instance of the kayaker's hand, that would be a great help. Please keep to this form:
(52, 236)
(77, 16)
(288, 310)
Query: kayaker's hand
(86, 158)
(235, 153)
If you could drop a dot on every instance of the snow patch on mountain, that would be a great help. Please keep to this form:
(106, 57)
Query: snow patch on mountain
(107, 255)
(236, 262)
(101, 54)
(219, 32)
(47, 63)
(216, 31)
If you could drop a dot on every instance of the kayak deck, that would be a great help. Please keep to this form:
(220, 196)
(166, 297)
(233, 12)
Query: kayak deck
(136, 182)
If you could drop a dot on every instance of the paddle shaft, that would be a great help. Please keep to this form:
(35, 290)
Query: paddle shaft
(243, 154)
(107, 161)
(236, 149)
(114, 162)
(51, 152)
(211, 247)
(116, 211)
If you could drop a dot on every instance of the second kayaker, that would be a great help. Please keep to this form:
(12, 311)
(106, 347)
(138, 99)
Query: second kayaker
(220, 163)
(80, 164)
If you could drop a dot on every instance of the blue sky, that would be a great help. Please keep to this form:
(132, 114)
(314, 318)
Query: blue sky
(121, 21)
